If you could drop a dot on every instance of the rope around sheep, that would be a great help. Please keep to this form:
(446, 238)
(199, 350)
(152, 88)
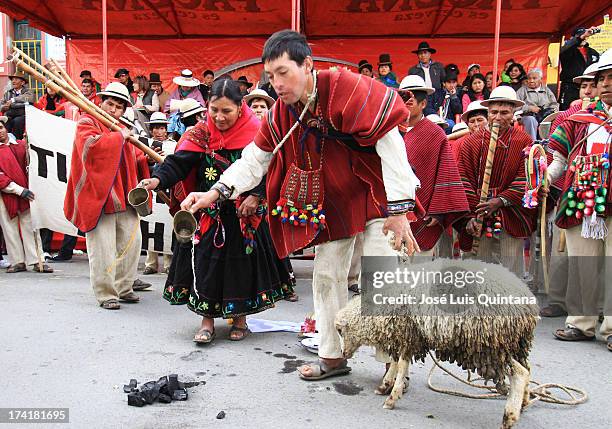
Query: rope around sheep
(539, 393)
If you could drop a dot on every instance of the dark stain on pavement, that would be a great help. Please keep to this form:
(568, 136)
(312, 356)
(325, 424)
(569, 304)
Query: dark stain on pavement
(291, 366)
(347, 388)
(283, 355)
(192, 356)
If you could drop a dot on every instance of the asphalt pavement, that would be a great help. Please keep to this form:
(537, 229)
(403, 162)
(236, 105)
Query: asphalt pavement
(59, 349)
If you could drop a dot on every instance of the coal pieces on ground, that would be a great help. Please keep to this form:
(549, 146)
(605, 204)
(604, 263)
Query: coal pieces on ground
(128, 388)
(135, 400)
(164, 390)
(179, 395)
(221, 415)
(164, 399)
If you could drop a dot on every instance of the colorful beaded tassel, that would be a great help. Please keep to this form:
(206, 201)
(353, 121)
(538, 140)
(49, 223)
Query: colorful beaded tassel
(300, 217)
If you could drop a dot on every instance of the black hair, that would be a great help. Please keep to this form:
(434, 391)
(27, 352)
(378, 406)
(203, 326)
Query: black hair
(208, 72)
(226, 88)
(407, 95)
(522, 76)
(190, 121)
(87, 81)
(485, 91)
(479, 112)
(85, 72)
(286, 41)
(125, 104)
(153, 126)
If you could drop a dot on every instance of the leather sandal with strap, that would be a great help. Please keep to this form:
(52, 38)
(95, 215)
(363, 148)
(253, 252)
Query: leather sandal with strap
(110, 304)
(204, 336)
(17, 268)
(572, 334)
(321, 370)
(244, 332)
(45, 268)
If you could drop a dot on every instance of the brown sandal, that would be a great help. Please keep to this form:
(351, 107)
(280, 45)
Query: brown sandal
(244, 332)
(17, 268)
(45, 268)
(553, 310)
(572, 334)
(110, 304)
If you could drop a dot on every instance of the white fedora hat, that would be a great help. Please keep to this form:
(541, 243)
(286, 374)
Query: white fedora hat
(259, 93)
(604, 63)
(117, 90)
(472, 107)
(158, 118)
(4, 119)
(504, 94)
(459, 126)
(436, 119)
(587, 74)
(415, 83)
(186, 79)
(190, 107)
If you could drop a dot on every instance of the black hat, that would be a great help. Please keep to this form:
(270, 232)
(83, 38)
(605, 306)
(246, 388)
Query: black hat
(120, 72)
(424, 46)
(85, 73)
(364, 64)
(384, 60)
(154, 78)
(451, 75)
(243, 79)
(579, 31)
(451, 68)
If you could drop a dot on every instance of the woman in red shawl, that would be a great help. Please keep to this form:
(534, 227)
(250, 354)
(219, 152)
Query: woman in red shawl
(51, 102)
(236, 269)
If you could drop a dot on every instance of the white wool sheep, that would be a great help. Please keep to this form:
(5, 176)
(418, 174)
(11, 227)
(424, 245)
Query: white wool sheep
(492, 340)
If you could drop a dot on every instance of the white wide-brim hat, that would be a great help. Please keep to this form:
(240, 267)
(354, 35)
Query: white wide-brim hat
(259, 93)
(504, 94)
(117, 90)
(604, 63)
(459, 126)
(415, 83)
(186, 79)
(436, 119)
(157, 118)
(588, 74)
(472, 107)
(190, 107)
(4, 119)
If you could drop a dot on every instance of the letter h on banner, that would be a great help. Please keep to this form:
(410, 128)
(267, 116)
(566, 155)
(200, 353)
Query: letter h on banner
(157, 235)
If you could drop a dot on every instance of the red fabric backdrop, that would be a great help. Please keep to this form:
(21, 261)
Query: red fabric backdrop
(169, 57)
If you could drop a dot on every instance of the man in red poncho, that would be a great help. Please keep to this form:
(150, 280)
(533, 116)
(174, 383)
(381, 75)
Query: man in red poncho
(338, 172)
(429, 153)
(103, 170)
(506, 223)
(15, 205)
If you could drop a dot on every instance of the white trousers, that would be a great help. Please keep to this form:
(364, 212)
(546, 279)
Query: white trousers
(113, 248)
(592, 261)
(21, 248)
(505, 250)
(152, 259)
(329, 287)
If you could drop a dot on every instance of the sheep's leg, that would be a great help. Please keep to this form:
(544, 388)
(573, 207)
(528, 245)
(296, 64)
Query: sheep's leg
(519, 381)
(388, 380)
(526, 391)
(398, 387)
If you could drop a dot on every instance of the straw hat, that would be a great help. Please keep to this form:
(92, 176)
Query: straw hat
(604, 63)
(505, 94)
(3, 119)
(459, 126)
(186, 79)
(436, 119)
(190, 107)
(259, 93)
(158, 118)
(415, 83)
(587, 74)
(472, 107)
(117, 90)
(471, 66)
(544, 127)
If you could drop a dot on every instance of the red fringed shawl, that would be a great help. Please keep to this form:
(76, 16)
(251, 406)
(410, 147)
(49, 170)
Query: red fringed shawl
(354, 190)
(441, 191)
(13, 169)
(507, 180)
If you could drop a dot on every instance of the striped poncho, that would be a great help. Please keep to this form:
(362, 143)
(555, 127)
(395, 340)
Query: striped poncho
(507, 179)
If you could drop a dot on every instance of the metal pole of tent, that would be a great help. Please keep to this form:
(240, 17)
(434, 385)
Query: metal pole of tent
(496, 49)
(104, 45)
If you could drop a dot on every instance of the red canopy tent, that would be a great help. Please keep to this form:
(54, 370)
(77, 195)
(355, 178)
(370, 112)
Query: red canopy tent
(166, 36)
